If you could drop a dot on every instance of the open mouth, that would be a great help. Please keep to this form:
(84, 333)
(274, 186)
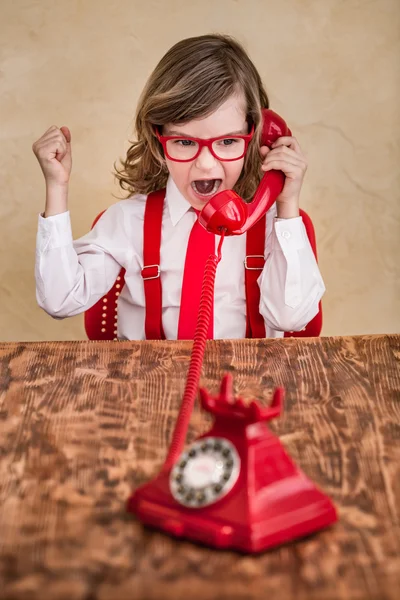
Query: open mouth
(206, 187)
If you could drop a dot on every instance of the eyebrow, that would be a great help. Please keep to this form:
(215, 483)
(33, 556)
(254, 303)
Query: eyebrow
(184, 135)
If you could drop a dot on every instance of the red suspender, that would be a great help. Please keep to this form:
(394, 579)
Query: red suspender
(254, 264)
(151, 270)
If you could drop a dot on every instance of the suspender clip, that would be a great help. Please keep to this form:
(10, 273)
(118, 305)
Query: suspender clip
(255, 265)
(155, 274)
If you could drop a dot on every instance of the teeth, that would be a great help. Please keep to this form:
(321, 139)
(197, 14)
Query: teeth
(217, 183)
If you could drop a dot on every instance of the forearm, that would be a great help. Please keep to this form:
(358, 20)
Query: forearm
(56, 199)
(288, 209)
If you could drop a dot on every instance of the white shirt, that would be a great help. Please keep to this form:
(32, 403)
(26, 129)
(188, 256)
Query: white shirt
(71, 276)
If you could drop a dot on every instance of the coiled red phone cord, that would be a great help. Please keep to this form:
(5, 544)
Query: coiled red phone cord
(196, 359)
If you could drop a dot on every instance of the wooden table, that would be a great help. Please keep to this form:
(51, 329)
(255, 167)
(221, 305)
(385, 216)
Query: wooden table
(82, 423)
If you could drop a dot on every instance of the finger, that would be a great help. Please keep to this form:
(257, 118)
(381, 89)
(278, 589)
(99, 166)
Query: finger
(62, 134)
(287, 151)
(54, 131)
(52, 150)
(52, 128)
(55, 142)
(52, 137)
(288, 141)
(290, 160)
(288, 168)
(55, 136)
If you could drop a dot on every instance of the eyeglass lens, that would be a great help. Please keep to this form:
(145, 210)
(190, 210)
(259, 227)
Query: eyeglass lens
(226, 148)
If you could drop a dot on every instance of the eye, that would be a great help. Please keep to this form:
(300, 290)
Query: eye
(228, 141)
(184, 142)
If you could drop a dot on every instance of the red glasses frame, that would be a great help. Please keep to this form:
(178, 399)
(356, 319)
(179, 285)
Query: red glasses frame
(163, 139)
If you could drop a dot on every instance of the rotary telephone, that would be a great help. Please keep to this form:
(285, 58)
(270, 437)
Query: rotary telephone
(235, 486)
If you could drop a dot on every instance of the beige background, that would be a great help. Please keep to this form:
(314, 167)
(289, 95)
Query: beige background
(330, 68)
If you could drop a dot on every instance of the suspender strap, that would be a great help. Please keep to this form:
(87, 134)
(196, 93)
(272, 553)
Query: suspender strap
(151, 269)
(254, 264)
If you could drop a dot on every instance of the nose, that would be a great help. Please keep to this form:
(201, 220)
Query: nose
(205, 160)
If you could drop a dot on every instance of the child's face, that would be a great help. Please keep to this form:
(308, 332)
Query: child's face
(214, 175)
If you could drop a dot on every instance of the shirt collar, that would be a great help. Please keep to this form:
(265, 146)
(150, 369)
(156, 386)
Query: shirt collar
(177, 204)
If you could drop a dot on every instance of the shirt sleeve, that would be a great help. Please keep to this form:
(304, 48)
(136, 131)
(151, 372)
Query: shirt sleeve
(71, 276)
(291, 284)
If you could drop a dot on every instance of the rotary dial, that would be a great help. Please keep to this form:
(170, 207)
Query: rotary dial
(205, 472)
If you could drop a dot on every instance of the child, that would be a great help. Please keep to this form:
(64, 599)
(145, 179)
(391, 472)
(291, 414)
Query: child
(204, 87)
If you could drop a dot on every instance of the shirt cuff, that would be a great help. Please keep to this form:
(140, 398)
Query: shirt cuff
(54, 232)
(291, 234)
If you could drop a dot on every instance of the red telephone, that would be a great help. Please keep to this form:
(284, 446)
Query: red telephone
(234, 487)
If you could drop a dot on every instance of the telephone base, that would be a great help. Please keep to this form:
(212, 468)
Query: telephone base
(295, 511)
(238, 488)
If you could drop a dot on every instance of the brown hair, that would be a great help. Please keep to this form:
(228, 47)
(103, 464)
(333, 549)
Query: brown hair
(191, 81)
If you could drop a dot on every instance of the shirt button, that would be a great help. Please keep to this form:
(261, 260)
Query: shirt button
(285, 234)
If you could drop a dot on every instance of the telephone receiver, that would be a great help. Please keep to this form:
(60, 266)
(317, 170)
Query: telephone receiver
(227, 211)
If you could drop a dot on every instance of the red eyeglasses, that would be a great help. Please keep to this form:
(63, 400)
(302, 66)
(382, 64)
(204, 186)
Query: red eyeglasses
(185, 149)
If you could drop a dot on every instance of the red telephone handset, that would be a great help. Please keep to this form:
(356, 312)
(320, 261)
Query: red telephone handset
(227, 211)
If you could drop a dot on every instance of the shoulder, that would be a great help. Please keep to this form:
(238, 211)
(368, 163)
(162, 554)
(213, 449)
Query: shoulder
(132, 207)
(130, 210)
(119, 218)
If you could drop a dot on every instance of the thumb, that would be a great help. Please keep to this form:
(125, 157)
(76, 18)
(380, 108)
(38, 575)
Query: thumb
(66, 132)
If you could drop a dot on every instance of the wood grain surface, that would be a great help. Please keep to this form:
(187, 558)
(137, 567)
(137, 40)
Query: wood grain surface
(83, 423)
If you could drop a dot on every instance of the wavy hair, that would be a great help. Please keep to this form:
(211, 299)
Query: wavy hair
(190, 82)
